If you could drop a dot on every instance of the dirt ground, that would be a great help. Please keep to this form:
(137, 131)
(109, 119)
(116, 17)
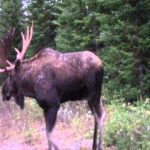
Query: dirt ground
(65, 138)
(25, 130)
(18, 131)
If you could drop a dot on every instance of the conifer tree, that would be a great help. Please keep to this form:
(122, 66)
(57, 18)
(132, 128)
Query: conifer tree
(43, 14)
(125, 30)
(78, 27)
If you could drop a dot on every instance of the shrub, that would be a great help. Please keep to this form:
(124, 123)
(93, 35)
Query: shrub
(128, 126)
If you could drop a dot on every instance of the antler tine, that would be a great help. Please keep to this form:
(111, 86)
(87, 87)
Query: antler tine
(10, 64)
(26, 39)
(8, 68)
(5, 45)
(2, 70)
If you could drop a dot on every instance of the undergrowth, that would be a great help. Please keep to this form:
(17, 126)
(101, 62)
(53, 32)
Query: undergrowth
(127, 126)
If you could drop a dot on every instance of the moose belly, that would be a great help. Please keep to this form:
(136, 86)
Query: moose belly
(73, 92)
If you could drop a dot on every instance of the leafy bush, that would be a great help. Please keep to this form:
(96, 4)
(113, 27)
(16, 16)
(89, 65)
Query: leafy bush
(129, 126)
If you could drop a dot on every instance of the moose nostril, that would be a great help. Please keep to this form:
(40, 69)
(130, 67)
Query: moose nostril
(7, 97)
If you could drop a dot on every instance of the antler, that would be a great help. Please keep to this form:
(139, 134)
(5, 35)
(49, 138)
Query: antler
(26, 39)
(5, 45)
(2, 70)
(2, 52)
(9, 68)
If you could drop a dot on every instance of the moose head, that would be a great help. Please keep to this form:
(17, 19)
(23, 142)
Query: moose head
(9, 87)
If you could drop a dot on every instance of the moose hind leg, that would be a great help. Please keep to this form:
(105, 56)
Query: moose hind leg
(99, 114)
(95, 126)
(50, 119)
(96, 106)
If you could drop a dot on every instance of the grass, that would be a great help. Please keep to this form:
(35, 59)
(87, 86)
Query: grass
(127, 126)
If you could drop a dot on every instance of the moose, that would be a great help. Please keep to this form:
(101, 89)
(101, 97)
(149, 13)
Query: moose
(52, 78)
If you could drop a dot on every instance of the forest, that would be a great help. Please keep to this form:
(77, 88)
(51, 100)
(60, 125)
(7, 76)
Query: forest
(118, 31)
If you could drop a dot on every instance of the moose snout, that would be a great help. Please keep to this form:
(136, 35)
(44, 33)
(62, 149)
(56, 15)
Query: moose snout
(6, 98)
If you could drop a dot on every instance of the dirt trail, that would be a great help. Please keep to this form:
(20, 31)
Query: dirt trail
(66, 138)
(25, 130)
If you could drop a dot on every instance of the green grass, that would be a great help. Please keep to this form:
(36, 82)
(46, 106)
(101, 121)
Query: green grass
(128, 127)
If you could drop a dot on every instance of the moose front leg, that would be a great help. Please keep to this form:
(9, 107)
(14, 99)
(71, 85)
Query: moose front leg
(50, 119)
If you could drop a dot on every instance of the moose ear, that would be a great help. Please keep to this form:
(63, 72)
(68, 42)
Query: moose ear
(17, 65)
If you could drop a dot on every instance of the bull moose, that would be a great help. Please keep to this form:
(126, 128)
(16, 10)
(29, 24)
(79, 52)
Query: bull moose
(52, 78)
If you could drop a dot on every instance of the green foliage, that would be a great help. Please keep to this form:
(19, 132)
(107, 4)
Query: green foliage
(43, 14)
(128, 126)
(77, 25)
(126, 58)
(120, 75)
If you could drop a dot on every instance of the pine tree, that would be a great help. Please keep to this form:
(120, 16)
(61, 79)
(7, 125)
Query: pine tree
(125, 31)
(78, 27)
(43, 14)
